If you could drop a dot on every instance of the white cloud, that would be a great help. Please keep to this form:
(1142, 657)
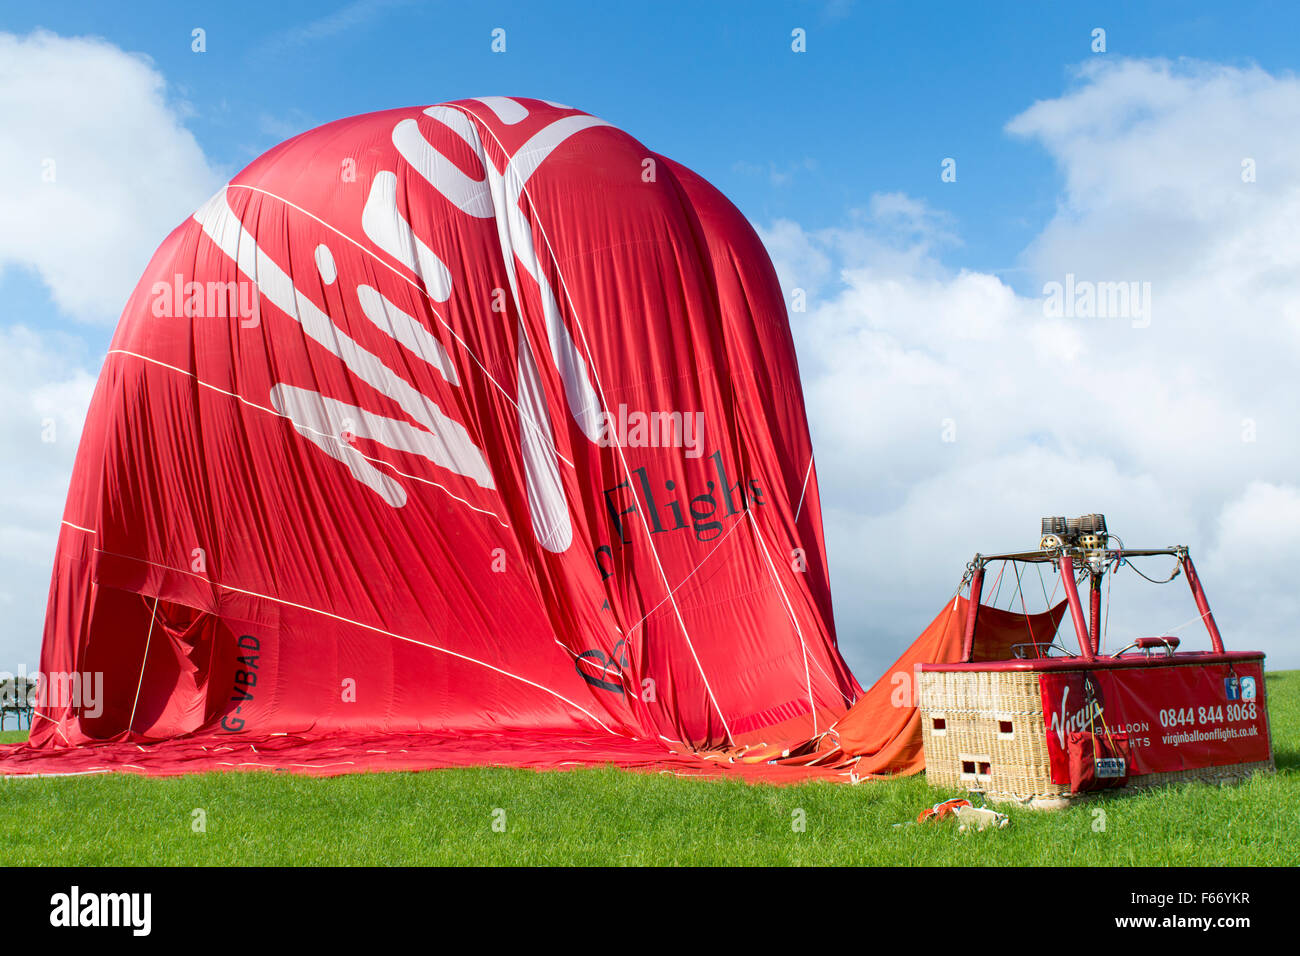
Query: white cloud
(44, 391)
(1069, 415)
(1252, 566)
(125, 170)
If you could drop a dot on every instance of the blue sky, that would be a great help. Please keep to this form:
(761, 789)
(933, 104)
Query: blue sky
(1127, 169)
(883, 94)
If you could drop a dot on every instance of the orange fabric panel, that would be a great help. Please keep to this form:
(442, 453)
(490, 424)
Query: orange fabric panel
(883, 729)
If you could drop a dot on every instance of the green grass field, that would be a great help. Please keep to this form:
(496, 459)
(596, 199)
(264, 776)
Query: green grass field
(607, 816)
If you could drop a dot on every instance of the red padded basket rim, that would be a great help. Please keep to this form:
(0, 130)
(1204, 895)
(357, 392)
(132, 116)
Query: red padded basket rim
(1103, 663)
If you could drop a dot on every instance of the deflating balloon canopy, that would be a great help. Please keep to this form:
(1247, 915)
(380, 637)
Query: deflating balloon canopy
(474, 419)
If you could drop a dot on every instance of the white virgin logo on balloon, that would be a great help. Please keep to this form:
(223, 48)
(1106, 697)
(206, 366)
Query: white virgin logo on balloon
(332, 425)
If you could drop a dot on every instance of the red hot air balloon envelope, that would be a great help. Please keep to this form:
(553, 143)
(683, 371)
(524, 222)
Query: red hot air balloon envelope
(440, 436)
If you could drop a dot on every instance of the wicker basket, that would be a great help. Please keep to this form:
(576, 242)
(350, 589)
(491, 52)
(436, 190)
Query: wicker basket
(984, 731)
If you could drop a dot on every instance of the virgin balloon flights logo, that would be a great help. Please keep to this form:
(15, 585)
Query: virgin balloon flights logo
(499, 196)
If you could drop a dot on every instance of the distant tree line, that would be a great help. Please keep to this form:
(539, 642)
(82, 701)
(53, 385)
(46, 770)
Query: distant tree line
(17, 700)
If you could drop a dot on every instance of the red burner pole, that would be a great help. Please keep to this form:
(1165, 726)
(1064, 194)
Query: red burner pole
(1202, 604)
(976, 589)
(1094, 615)
(1076, 607)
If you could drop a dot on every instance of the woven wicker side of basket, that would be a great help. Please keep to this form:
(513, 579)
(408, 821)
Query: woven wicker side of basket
(992, 720)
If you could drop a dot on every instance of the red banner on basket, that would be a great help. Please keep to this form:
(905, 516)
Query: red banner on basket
(1173, 718)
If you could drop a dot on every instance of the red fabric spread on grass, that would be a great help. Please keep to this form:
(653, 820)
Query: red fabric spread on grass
(340, 753)
(384, 450)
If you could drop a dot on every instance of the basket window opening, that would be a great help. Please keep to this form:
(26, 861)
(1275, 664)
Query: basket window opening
(976, 767)
(940, 725)
(1006, 729)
